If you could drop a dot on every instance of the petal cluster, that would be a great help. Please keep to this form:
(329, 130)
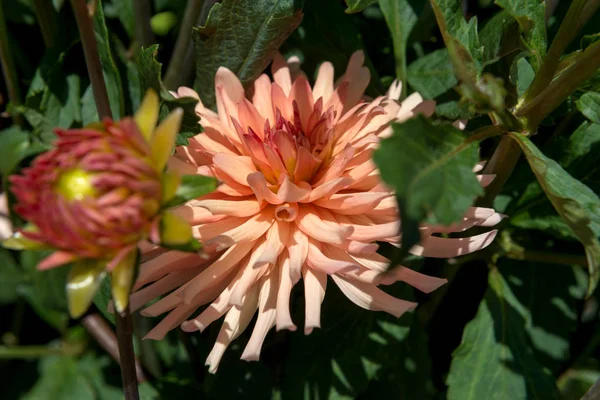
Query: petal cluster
(299, 198)
(95, 195)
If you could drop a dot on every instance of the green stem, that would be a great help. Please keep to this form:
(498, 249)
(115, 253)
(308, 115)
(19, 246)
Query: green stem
(502, 164)
(546, 257)
(32, 352)
(8, 66)
(570, 27)
(174, 72)
(99, 329)
(560, 88)
(46, 18)
(142, 15)
(92, 58)
(126, 355)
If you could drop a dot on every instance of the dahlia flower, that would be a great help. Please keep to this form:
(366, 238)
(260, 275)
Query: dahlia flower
(95, 195)
(299, 198)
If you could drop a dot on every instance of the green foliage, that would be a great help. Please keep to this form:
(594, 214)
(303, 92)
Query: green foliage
(192, 187)
(355, 6)
(432, 75)
(242, 35)
(495, 359)
(401, 19)
(589, 105)
(431, 170)
(528, 327)
(576, 203)
(150, 78)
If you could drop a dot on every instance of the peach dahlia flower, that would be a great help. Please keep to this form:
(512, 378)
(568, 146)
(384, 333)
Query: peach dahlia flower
(299, 198)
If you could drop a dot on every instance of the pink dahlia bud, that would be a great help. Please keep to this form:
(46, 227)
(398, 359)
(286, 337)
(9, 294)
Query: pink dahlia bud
(95, 195)
(300, 198)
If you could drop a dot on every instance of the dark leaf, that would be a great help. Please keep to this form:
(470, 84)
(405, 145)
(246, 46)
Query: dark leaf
(110, 71)
(355, 6)
(150, 78)
(576, 203)
(432, 74)
(192, 187)
(589, 105)
(242, 35)
(401, 19)
(530, 14)
(431, 169)
(495, 357)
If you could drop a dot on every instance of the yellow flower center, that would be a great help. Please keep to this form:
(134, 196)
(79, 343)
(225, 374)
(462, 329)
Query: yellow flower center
(75, 184)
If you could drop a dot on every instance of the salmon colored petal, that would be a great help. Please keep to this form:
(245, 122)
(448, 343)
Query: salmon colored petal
(312, 225)
(370, 297)
(315, 283)
(283, 318)
(237, 167)
(267, 301)
(438, 247)
(262, 98)
(241, 207)
(281, 73)
(235, 323)
(324, 83)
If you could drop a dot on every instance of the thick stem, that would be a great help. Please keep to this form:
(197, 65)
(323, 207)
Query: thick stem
(501, 164)
(99, 329)
(46, 17)
(571, 25)
(8, 66)
(174, 72)
(560, 88)
(142, 15)
(126, 355)
(33, 352)
(547, 257)
(92, 59)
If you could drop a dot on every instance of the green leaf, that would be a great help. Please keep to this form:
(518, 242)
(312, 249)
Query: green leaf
(110, 71)
(242, 35)
(500, 38)
(483, 93)
(430, 167)
(579, 156)
(102, 298)
(530, 14)
(358, 354)
(123, 10)
(401, 19)
(355, 6)
(191, 187)
(589, 105)
(552, 295)
(60, 380)
(328, 34)
(495, 356)
(16, 145)
(576, 203)
(524, 75)
(45, 290)
(150, 78)
(432, 74)
(68, 378)
(11, 277)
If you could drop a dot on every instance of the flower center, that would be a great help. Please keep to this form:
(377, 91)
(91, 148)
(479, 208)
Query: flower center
(295, 144)
(286, 212)
(75, 184)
